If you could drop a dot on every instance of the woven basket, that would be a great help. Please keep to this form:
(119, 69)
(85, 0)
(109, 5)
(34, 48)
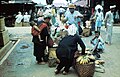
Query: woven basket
(86, 70)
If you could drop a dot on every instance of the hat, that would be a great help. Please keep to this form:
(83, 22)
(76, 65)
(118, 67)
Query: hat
(111, 7)
(72, 30)
(71, 6)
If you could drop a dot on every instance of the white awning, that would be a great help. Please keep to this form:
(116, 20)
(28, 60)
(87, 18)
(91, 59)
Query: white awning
(59, 3)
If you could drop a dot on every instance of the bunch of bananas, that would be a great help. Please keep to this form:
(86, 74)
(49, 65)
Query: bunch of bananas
(83, 59)
(98, 62)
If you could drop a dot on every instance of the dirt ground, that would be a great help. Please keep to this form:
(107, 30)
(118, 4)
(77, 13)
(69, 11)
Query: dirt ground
(21, 62)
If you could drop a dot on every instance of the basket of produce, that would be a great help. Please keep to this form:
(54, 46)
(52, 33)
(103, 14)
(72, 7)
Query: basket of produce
(85, 65)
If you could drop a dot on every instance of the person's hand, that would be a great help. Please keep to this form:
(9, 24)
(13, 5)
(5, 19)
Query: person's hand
(46, 50)
(85, 14)
(75, 17)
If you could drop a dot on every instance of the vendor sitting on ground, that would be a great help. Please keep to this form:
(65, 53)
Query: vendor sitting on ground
(67, 48)
(98, 43)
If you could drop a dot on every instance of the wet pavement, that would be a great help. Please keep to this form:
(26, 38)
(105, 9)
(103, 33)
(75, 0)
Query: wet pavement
(21, 62)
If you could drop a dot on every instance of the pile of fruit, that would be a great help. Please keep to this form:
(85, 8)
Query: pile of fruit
(85, 59)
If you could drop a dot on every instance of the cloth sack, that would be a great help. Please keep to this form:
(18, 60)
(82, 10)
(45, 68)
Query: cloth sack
(53, 60)
(86, 32)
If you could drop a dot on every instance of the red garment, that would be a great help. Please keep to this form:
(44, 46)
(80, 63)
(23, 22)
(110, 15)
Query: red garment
(34, 32)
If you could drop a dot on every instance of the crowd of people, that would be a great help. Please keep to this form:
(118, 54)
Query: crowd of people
(71, 20)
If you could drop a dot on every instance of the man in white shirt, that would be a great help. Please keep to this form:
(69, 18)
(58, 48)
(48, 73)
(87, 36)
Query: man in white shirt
(72, 17)
(99, 19)
(18, 21)
(109, 24)
(26, 19)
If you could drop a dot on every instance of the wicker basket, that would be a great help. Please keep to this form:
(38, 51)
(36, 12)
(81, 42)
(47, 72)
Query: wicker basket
(86, 70)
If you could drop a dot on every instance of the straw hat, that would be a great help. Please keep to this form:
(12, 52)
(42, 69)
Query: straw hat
(71, 6)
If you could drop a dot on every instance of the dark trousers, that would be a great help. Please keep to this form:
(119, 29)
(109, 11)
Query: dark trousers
(39, 52)
(66, 63)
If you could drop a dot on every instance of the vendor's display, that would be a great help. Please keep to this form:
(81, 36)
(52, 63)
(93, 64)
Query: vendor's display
(85, 65)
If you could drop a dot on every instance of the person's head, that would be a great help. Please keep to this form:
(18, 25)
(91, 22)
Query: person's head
(112, 8)
(53, 6)
(47, 17)
(19, 13)
(26, 13)
(97, 34)
(60, 6)
(32, 23)
(86, 8)
(72, 30)
(71, 8)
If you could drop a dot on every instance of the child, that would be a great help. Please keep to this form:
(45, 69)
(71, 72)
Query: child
(98, 44)
(35, 30)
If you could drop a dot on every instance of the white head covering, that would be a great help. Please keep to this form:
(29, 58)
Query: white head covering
(72, 30)
(111, 7)
(98, 7)
(19, 13)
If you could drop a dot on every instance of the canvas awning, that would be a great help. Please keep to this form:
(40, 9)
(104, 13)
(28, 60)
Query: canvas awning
(82, 3)
(58, 3)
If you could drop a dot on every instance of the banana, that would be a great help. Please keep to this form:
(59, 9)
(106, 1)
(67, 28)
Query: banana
(80, 61)
(83, 59)
(86, 61)
(79, 58)
(92, 57)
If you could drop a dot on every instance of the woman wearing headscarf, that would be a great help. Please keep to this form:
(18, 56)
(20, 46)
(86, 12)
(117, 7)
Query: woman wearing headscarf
(67, 48)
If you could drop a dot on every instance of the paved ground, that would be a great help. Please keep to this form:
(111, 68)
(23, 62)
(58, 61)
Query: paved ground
(21, 62)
